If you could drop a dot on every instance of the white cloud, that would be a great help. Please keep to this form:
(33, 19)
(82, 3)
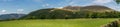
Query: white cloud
(73, 2)
(59, 7)
(45, 5)
(3, 11)
(102, 1)
(116, 7)
(99, 2)
(20, 10)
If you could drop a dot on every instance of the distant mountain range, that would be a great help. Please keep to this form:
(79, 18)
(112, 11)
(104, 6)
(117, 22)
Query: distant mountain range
(11, 16)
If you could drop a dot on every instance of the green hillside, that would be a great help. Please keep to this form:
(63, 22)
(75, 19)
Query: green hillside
(73, 12)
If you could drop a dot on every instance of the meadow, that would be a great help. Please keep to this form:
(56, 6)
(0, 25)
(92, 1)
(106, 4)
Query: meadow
(56, 23)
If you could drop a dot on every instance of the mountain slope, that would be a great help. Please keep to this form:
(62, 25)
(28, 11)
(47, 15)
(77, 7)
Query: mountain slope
(96, 8)
(48, 13)
(73, 12)
(92, 8)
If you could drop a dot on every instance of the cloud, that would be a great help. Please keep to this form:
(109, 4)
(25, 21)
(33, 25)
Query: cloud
(20, 10)
(45, 5)
(102, 1)
(116, 7)
(73, 2)
(3, 11)
(99, 2)
(59, 7)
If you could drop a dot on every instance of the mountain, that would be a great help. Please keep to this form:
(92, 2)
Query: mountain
(97, 8)
(11, 16)
(48, 13)
(93, 8)
(71, 12)
(72, 7)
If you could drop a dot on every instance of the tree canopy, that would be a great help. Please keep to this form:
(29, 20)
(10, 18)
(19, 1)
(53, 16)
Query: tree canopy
(118, 1)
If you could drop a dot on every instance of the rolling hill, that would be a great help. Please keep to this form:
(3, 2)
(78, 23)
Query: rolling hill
(70, 12)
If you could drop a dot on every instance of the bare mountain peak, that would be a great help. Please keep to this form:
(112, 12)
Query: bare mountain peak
(94, 8)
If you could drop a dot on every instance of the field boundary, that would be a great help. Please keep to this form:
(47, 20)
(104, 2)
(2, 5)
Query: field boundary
(112, 24)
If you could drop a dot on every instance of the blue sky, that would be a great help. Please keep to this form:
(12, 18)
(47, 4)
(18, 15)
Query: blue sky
(26, 6)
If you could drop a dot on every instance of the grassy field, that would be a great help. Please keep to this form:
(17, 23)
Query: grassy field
(56, 23)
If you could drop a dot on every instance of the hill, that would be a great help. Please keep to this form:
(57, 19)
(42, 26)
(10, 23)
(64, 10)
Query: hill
(92, 8)
(71, 12)
(48, 13)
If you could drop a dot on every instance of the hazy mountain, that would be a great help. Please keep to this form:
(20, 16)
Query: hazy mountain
(11, 16)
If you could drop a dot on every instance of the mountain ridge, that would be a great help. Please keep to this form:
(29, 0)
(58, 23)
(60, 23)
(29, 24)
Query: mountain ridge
(69, 12)
(11, 16)
(94, 8)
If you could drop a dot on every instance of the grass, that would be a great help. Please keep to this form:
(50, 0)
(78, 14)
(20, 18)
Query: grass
(56, 23)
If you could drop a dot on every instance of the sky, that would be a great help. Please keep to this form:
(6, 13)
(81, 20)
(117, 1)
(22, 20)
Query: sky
(27, 6)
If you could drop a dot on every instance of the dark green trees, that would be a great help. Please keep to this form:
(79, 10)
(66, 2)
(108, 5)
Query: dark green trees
(118, 1)
(113, 14)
